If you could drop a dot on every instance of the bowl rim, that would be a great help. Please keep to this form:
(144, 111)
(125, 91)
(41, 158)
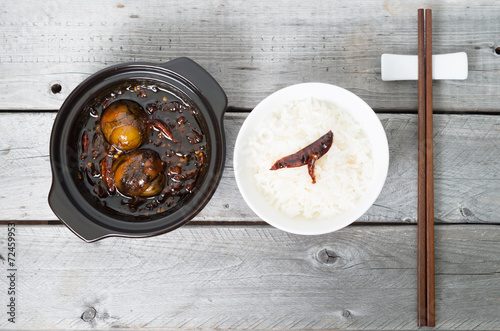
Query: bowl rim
(316, 90)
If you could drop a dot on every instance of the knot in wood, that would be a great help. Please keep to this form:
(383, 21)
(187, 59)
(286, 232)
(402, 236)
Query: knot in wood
(465, 212)
(346, 313)
(89, 314)
(56, 88)
(327, 256)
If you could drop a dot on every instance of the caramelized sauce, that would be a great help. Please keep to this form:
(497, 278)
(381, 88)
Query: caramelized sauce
(184, 154)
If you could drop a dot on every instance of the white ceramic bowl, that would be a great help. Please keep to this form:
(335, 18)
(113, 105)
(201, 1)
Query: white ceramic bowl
(351, 104)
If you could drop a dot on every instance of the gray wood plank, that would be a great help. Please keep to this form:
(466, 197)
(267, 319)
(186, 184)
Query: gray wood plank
(218, 277)
(251, 48)
(467, 176)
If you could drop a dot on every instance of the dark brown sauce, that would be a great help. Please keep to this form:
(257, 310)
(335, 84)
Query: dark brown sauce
(183, 156)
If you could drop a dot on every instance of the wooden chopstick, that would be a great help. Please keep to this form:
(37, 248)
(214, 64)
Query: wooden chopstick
(429, 176)
(421, 211)
(425, 229)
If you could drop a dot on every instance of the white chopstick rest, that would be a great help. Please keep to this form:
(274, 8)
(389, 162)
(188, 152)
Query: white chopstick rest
(405, 67)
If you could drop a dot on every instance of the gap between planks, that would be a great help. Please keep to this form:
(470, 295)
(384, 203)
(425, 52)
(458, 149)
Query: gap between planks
(233, 109)
(245, 223)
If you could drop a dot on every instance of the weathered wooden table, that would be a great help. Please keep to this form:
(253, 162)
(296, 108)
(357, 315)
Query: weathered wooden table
(227, 269)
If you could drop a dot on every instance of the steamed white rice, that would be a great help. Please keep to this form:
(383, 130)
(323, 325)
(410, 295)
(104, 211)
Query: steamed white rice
(342, 174)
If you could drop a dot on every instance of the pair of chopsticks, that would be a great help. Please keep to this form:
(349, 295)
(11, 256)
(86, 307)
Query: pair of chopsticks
(425, 236)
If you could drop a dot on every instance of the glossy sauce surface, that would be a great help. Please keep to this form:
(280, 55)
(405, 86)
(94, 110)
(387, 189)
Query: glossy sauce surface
(154, 176)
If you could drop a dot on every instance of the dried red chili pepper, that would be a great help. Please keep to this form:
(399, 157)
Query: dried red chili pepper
(85, 143)
(308, 155)
(106, 173)
(163, 128)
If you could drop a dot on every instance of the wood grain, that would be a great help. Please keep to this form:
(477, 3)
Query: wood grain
(252, 49)
(466, 170)
(226, 278)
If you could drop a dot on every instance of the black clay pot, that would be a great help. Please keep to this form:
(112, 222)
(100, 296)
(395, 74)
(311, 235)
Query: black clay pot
(68, 200)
